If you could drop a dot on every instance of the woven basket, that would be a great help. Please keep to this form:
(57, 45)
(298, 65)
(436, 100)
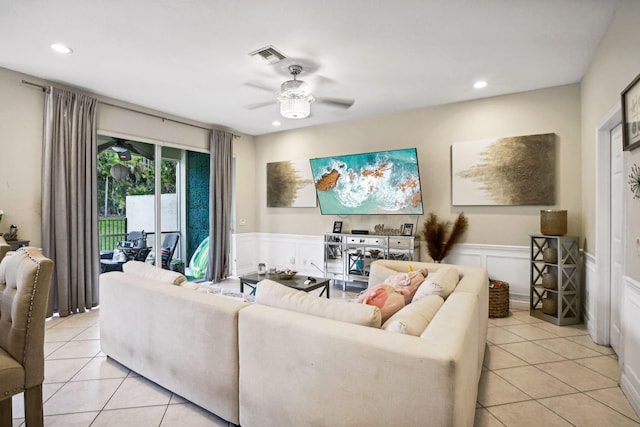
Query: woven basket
(499, 299)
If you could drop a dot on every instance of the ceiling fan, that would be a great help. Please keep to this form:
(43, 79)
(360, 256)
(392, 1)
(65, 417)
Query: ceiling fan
(123, 149)
(295, 97)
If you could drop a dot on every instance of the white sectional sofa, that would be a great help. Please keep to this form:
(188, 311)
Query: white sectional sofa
(259, 365)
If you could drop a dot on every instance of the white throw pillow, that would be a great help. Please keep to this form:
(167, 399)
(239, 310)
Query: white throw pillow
(439, 282)
(148, 271)
(274, 294)
(414, 318)
(198, 287)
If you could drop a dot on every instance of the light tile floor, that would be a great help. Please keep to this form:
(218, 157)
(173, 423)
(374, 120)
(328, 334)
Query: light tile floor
(539, 374)
(534, 373)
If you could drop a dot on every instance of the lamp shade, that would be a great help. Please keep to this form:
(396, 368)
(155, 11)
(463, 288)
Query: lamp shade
(294, 107)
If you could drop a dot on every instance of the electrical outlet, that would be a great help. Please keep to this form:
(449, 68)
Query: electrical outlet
(292, 260)
(242, 222)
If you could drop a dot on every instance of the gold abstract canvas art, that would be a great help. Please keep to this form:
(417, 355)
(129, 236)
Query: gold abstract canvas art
(517, 170)
(290, 184)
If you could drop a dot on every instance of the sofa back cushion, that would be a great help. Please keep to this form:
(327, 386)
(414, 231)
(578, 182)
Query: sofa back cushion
(414, 318)
(276, 295)
(148, 271)
(439, 282)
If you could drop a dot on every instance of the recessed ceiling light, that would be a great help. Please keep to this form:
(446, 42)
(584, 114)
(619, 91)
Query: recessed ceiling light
(480, 84)
(61, 48)
(275, 123)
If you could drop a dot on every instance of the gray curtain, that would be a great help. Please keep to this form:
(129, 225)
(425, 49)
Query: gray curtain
(69, 206)
(221, 154)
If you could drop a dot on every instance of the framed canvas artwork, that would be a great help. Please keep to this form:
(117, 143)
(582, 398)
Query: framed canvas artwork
(631, 115)
(517, 170)
(290, 185)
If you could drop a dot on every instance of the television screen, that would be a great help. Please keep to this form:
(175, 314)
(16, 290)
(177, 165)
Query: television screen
(384, 182)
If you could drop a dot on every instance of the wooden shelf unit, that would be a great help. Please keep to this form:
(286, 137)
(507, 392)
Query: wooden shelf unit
(555, 280)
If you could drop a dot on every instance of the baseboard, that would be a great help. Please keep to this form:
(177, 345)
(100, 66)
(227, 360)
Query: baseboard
(305, 254)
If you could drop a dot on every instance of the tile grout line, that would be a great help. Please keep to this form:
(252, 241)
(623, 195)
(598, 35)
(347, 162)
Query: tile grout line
(535, 365)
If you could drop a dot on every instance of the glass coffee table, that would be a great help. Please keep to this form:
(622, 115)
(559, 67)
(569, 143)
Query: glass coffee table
(296, 282)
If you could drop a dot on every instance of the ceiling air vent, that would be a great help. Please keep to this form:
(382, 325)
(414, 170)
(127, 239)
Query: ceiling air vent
(268, 54)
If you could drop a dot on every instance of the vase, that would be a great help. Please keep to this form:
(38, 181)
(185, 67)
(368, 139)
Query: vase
(550, 255)
(549, 306)
(553, 222)
(549, 281)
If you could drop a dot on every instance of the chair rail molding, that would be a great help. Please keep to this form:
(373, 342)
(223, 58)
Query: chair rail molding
(304, 253)
(505, 263)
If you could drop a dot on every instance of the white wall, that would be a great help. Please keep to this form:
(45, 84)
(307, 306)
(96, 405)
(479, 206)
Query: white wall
(432, 131)
(615, 64)
(21, 116)
(21, 113)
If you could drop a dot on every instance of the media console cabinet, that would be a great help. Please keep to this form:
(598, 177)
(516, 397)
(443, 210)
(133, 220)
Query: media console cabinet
(347, 257)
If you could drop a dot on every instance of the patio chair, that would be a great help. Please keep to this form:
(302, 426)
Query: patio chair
(169, 245)
(25, 279)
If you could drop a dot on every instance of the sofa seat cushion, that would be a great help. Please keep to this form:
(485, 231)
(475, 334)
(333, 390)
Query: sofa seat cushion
(11, 375)
(439, 282)
(277, 295)
(414, 318)
(148, 271)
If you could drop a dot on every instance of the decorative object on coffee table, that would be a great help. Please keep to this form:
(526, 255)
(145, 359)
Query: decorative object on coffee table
(286, 274)
(439, 239)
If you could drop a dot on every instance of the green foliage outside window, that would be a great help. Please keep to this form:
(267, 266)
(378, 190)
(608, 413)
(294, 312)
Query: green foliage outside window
(139, 181)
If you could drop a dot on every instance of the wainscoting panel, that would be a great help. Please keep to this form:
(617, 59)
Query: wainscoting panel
(298, 252)
(630, 381)
(589, 299)
(302, 252)
(244, 250)
(506, 263)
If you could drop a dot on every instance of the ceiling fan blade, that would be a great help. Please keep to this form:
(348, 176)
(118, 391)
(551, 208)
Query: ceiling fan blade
(105, 146)
(133, 149)
(322, 80)
(259, 86)
(260, 105)
(336, 102)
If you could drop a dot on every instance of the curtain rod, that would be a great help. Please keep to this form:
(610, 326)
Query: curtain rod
(46, 89)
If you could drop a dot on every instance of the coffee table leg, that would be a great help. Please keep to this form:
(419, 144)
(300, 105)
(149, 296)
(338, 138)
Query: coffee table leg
(326, 289)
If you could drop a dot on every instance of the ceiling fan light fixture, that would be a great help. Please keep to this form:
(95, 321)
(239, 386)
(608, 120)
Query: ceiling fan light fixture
(295, 107)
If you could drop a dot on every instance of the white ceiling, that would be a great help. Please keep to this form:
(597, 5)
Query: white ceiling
(190, 57)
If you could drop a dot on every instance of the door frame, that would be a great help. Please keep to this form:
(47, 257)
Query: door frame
(602, 315)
